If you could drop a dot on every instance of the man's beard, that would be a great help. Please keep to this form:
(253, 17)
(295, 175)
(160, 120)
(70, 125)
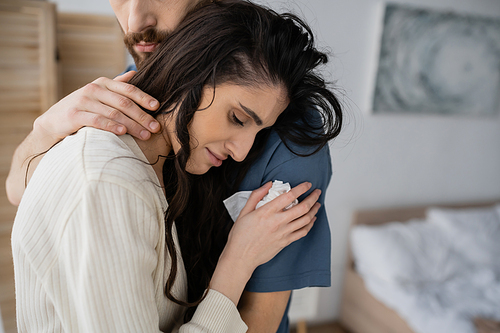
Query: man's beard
(148, 36)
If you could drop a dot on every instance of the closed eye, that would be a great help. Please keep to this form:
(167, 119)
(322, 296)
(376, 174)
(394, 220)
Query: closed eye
(236, 120)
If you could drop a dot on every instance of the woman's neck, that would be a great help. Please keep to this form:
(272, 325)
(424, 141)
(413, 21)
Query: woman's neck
(156, 146)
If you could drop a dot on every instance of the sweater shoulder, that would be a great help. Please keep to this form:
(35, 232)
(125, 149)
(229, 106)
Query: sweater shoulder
(93, 155)
(104, 156)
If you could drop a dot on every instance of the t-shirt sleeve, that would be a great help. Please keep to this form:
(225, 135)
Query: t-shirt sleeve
(110, 254)
(306, 262)
(129, 68)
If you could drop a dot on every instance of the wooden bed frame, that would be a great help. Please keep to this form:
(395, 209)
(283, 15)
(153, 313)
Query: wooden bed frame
(360, 312)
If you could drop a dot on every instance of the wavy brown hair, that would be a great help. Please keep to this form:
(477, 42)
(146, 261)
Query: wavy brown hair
(230, 41)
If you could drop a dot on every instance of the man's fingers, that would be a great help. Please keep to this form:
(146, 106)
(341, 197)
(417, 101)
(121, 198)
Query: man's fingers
(126, 99)
(95, 120)
(97, 112)
(125, 77)
(121, 109)
(130, 91)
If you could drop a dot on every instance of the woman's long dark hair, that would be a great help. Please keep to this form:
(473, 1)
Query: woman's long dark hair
(242, 43)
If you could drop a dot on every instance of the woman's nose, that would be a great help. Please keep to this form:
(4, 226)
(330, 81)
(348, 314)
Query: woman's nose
(240, 147)
(142, 16)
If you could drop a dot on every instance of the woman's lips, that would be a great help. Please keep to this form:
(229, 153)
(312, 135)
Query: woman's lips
(146, 47)
(216, 161)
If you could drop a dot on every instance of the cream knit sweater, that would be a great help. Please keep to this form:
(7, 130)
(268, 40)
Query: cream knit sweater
(89, 247)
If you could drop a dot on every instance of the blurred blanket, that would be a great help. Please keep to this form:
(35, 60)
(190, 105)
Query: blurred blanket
(439, 274)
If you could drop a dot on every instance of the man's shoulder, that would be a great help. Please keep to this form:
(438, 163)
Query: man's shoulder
(281, 161)
(294, 155)
(131, 67)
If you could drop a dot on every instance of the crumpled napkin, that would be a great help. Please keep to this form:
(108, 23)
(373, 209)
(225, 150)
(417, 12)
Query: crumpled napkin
(235, 203)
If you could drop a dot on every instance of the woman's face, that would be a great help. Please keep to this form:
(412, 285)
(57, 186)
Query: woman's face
(228, 122)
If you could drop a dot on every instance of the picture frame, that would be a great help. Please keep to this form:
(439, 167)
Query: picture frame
(437, 62)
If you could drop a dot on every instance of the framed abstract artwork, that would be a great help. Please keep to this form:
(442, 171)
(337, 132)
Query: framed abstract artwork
(434, 62)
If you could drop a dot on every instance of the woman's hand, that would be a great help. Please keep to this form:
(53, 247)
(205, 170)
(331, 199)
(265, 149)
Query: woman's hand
(110, 105)
(259, 234)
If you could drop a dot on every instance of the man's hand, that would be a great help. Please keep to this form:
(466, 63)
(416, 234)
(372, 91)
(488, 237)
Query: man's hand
(262, 312)
(110, 105)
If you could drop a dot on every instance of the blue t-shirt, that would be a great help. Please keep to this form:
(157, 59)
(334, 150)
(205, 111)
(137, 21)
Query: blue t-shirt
(306, 262)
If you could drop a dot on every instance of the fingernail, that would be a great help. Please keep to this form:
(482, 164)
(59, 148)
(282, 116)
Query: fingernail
(120, 129)
(154, 125)
(309, 185)
(153, 103)
(144, 134)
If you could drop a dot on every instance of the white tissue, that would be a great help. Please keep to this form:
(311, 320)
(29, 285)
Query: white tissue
(235, 203)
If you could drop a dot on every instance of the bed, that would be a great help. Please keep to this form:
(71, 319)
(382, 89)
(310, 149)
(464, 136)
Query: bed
(360, 311)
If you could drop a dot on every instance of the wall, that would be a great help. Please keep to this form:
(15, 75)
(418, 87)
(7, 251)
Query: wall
(88, 6)
(385, 161)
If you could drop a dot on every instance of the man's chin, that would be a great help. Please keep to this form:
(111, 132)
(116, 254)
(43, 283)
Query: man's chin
(139, 58)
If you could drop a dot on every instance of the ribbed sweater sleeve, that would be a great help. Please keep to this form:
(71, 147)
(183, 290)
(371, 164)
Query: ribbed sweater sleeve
(100, 279)
(216, 313)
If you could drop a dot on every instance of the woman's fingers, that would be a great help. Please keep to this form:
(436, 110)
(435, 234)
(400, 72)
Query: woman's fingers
(300, 227)
(302, 232)
(255, 197)
(286, 199)
(303, 207)
(259, 234)
(303, 220)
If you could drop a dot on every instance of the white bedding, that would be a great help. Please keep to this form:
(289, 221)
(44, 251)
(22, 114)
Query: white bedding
(438, 273)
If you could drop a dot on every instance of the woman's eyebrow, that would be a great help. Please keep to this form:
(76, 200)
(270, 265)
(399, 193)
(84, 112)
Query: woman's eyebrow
(252, 114)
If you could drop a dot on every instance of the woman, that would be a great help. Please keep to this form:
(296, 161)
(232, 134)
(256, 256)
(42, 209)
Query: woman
(94, 242)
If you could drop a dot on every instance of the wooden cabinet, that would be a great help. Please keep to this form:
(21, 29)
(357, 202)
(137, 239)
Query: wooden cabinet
(28, 86)
(90, 46)
(44, 55)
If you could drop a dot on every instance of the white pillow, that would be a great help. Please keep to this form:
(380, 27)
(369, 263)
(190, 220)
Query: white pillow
(412, 252)
(475, 232)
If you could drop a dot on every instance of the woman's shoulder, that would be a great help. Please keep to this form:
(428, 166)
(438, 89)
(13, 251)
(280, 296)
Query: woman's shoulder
(102, 156)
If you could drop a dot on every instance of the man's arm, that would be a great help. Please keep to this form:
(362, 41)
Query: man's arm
(105, 104)
(19, 173)
(262, 312)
